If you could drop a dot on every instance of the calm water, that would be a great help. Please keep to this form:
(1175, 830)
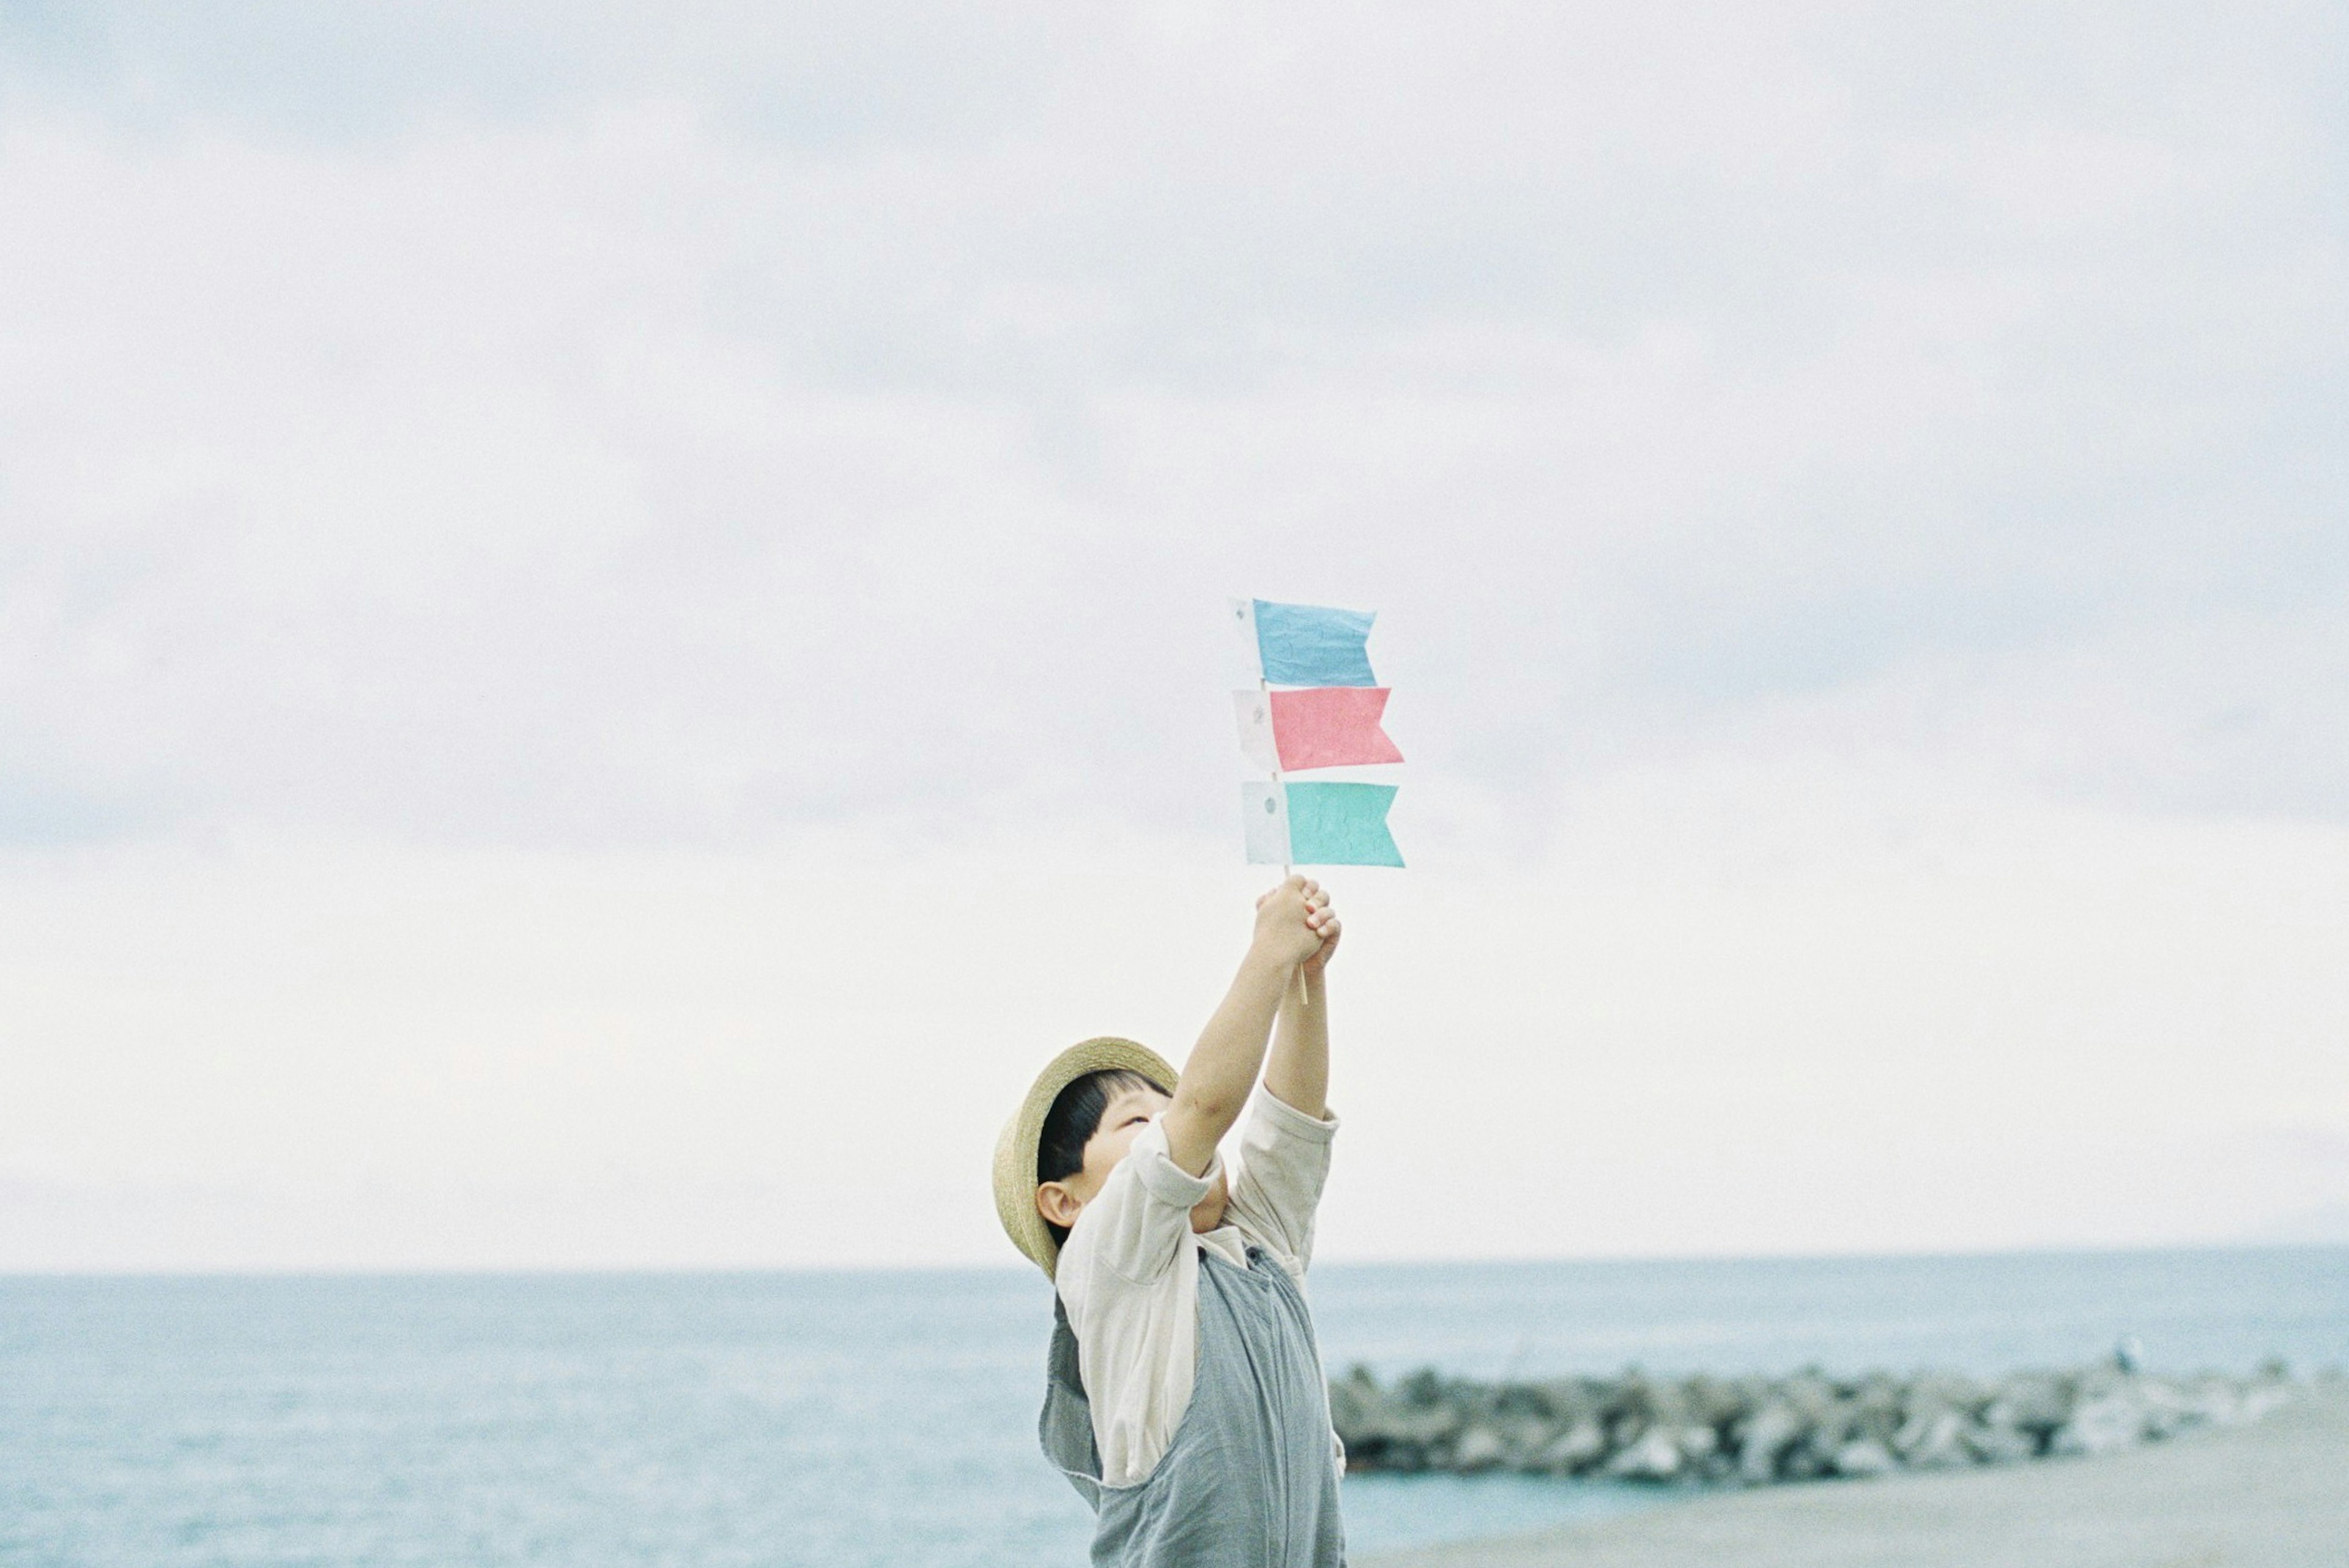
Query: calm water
(870, 1420)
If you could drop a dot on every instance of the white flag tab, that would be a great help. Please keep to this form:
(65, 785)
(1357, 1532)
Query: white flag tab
(1264, 818)
(1241, 653)
(1252, 709)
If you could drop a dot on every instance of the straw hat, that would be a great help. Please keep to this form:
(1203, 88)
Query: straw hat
(1015, 1151)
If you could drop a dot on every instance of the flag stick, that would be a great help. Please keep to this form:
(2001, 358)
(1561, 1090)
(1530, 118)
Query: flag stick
(1264, 688)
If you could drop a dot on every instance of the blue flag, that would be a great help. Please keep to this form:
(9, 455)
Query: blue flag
(1312, 644)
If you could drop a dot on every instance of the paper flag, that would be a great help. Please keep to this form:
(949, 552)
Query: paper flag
(1306, 644)
(1331, 727)
(1325, 727)
(1319, 824)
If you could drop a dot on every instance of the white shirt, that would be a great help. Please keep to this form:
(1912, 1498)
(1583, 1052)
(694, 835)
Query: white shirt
(1128, 1273)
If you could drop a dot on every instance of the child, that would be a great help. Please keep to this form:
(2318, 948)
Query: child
(1185, 1398)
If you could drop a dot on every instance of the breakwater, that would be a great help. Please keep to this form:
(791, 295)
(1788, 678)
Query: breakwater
(1756, 1430)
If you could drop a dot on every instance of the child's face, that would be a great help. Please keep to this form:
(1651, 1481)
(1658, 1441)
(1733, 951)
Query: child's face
(1127, 1113)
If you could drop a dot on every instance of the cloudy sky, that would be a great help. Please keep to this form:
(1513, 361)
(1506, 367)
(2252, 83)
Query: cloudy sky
(609, 622)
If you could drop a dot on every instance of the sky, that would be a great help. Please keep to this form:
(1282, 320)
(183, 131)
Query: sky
(611, 620)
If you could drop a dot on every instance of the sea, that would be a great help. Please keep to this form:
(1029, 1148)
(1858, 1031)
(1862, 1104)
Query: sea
(885, 1419)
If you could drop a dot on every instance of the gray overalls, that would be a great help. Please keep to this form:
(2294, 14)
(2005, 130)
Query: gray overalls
(1250, 1480)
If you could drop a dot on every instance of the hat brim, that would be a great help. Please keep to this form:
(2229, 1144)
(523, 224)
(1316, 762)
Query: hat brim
(1015, 1151)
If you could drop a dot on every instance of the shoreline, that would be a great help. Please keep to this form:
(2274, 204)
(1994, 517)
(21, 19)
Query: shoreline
(1805, 1425)
(2270, 1494)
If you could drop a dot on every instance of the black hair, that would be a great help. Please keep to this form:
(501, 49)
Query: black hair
(1070, 1125)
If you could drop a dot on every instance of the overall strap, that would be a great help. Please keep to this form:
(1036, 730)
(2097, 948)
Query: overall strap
(1066, 1426)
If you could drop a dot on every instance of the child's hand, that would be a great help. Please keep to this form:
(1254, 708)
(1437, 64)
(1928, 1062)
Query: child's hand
(1287, 921)
(1324, 922)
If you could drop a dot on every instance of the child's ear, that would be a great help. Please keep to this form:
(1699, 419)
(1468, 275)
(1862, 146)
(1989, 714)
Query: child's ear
(1057, 1203)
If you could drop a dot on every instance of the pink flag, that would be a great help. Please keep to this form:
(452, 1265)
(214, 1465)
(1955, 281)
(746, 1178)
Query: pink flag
(1331, 727)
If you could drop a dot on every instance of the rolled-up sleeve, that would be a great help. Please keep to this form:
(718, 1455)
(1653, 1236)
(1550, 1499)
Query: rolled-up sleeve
(1142, 1213)
(1284, 1162)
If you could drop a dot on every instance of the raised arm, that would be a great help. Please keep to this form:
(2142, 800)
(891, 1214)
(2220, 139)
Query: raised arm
(1222, 1067)
(1298, 1072)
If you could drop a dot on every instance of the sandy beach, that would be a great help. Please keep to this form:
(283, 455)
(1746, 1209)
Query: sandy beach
(2272, 1495)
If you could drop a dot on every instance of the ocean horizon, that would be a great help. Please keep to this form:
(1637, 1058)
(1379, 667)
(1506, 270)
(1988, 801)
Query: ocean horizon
(855, 1417)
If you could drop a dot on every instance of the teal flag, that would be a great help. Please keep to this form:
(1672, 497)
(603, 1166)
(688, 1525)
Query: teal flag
(1342, 825)
(1319, 824)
